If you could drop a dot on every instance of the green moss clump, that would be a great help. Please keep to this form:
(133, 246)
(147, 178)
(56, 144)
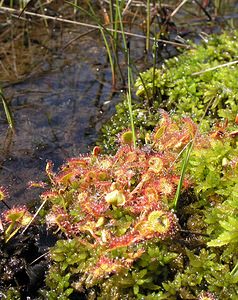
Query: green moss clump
(213, 168)
(185, 84)
(179, 87)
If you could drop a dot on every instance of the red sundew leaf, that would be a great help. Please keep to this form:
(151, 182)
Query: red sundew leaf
(155, 164)
(90, 227)
(132, 256)
(126, 138)
(96, 180)
(131, 157)
(123, 176)
(91, 207)
(158, 133)
(47, 195)
(123, 241)
(82, 162)
(121, 154)
(105, 164)
(103, 176)
(171, 135)
(96, 151)
(90, 176)
(141, 205)
(67, 177)
(37, 184)
(151, 193)
(166, 187)
(165, 118)
(158, 223)
(17, 214)
(219, 131)
(58, 216)
(103, 186)
(175, 180)
(190, 127)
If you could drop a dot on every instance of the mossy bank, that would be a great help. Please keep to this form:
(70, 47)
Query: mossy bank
(201, 83)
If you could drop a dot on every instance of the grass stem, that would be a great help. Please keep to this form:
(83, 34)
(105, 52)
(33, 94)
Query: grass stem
(7, 111)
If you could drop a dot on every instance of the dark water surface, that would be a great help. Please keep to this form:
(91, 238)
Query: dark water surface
(59, 97)
(57, 115)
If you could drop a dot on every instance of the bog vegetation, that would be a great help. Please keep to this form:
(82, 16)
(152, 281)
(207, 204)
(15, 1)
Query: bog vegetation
(151, 213)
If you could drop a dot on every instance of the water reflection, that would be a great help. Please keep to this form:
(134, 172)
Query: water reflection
(57, 115)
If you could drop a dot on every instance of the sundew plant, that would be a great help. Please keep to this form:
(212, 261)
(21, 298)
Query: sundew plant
(120, 234)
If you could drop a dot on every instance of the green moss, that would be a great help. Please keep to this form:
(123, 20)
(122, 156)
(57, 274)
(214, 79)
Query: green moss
(185, 85)
(204, 271)
(11, 294)
(177, 88)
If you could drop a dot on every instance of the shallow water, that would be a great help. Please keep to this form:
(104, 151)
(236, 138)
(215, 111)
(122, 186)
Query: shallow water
(59, 97)
(57, 114)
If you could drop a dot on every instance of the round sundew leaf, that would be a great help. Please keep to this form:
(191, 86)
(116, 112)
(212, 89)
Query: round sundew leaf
(156, 164)
(115, 197)
(158, 221)
(127, 137)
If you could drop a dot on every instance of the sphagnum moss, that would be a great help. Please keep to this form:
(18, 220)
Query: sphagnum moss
(185, 86)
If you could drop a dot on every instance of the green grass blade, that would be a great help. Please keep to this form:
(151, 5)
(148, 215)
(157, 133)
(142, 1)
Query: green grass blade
(234, 271)
(7, 111)
(188, 150)
(148, 26)
(129, 102)
(129, 71)
(108, 52)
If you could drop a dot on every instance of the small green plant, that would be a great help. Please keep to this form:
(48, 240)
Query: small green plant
(187, 83)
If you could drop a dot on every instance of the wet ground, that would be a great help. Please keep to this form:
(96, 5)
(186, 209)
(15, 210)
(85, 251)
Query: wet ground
(60, 96)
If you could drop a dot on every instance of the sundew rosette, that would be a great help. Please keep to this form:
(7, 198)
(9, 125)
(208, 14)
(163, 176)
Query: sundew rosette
(122, 234)
(115, 206)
